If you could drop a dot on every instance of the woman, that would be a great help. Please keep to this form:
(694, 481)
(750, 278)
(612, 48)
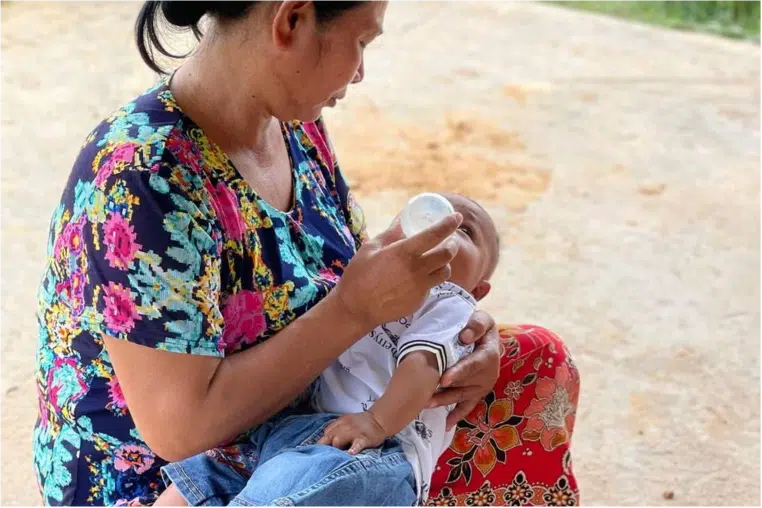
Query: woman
(199, 275)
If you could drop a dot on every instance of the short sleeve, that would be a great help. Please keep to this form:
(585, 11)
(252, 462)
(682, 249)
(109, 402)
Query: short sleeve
(436, 326)
(152, 265)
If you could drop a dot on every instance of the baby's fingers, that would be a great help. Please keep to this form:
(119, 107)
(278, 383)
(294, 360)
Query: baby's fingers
(341, 440)
(358, 445)
(329, 432)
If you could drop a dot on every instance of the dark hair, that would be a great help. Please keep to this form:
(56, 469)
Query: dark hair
(182, 14)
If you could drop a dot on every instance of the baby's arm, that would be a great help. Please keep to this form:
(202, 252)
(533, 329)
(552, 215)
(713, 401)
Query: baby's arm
(426, 350)
(409, 391)
(413, 383)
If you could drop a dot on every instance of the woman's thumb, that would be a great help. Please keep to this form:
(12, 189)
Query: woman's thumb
(392, 234)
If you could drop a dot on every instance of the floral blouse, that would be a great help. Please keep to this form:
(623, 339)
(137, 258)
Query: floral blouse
(158, 240)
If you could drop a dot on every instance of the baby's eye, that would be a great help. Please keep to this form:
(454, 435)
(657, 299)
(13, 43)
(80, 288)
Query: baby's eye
(467, 230)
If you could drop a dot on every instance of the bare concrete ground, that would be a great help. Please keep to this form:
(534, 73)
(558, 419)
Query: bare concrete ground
(622, 162)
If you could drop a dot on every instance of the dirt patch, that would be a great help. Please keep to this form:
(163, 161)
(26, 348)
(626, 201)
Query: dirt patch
(415, 159)
(516, 92)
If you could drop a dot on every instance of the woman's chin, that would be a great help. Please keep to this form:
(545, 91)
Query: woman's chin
(312, 114)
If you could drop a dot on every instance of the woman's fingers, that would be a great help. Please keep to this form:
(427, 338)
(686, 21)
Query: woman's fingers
(466, 370)
(439, 276)
(478, 325)
(482, 367)
(460, 412)
(432, 236)
(454, 396)
(439, 256)
(392, 234)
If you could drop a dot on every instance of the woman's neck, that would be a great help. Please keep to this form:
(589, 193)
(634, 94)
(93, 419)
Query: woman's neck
(222, 102)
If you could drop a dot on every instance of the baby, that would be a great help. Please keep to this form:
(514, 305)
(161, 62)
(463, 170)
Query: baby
(384, 447)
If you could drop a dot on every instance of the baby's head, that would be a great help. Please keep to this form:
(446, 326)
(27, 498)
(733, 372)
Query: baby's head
(478, 247)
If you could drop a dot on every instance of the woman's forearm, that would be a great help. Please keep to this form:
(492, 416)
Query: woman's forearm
(276, 371)
(186, 404)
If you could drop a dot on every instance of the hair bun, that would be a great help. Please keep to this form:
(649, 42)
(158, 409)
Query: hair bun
(184, 13)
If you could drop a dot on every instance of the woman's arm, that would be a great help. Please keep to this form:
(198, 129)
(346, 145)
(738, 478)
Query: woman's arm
(184, 404)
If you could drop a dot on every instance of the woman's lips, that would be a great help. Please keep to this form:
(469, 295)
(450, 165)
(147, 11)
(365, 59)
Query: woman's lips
(336, 98)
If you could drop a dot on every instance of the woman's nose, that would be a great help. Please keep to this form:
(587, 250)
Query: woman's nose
(360, 74)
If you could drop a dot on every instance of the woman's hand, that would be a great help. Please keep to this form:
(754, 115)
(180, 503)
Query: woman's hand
(473, 377)
(391, 275)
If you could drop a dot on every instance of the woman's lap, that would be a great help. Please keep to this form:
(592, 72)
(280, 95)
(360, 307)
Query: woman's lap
(505, 453)
(514, 448)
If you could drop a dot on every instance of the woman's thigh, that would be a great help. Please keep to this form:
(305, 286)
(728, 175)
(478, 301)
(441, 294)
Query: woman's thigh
(514, 448)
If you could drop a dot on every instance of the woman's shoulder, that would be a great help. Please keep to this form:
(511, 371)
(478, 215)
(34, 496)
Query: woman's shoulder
(146, 134)
(146, 122)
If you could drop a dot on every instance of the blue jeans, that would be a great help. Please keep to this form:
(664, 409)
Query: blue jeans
(287, 468)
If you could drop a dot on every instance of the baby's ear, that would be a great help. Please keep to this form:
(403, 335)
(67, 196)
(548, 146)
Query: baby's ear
(481, 290)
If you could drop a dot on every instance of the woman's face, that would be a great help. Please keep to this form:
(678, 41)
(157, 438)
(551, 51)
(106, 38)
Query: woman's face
(313, 63)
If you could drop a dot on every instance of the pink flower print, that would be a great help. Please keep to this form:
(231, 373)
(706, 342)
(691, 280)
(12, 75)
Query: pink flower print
(65, 385)
(225, 205)
(115, 394)
(74, 237)
(244, 319)
(328, 274)
(77, 294)
(63, 289)
(218, 240)
(72, 291)
(550, 416)
(122, 153)
(70, 237)
(43, 405)
(120, 312)
(119, 238)
(132, 456)
(185, 152)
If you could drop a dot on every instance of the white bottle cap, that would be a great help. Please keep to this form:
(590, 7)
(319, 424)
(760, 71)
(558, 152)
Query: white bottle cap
(424, 210)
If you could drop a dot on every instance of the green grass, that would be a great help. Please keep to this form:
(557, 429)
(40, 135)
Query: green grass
(739, 20)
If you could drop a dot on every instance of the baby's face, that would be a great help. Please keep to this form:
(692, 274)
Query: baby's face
(477, 246)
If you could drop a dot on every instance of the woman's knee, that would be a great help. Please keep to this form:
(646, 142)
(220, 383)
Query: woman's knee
(525, 339)
(540, 381)
(536, 360)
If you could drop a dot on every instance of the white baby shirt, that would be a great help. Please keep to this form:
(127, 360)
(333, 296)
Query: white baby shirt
(362, 373)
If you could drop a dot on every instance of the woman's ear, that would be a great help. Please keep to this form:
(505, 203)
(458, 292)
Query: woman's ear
(289, 16)
(481, 290)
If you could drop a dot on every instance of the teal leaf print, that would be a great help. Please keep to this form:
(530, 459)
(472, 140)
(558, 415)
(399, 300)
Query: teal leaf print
(158, 184)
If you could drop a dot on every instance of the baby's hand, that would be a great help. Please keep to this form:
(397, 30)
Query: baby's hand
(360, 429)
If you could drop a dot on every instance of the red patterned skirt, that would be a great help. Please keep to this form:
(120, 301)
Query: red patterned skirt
(514, 447)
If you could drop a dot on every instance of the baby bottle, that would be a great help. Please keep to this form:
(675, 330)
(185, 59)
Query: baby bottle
(424, 210)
